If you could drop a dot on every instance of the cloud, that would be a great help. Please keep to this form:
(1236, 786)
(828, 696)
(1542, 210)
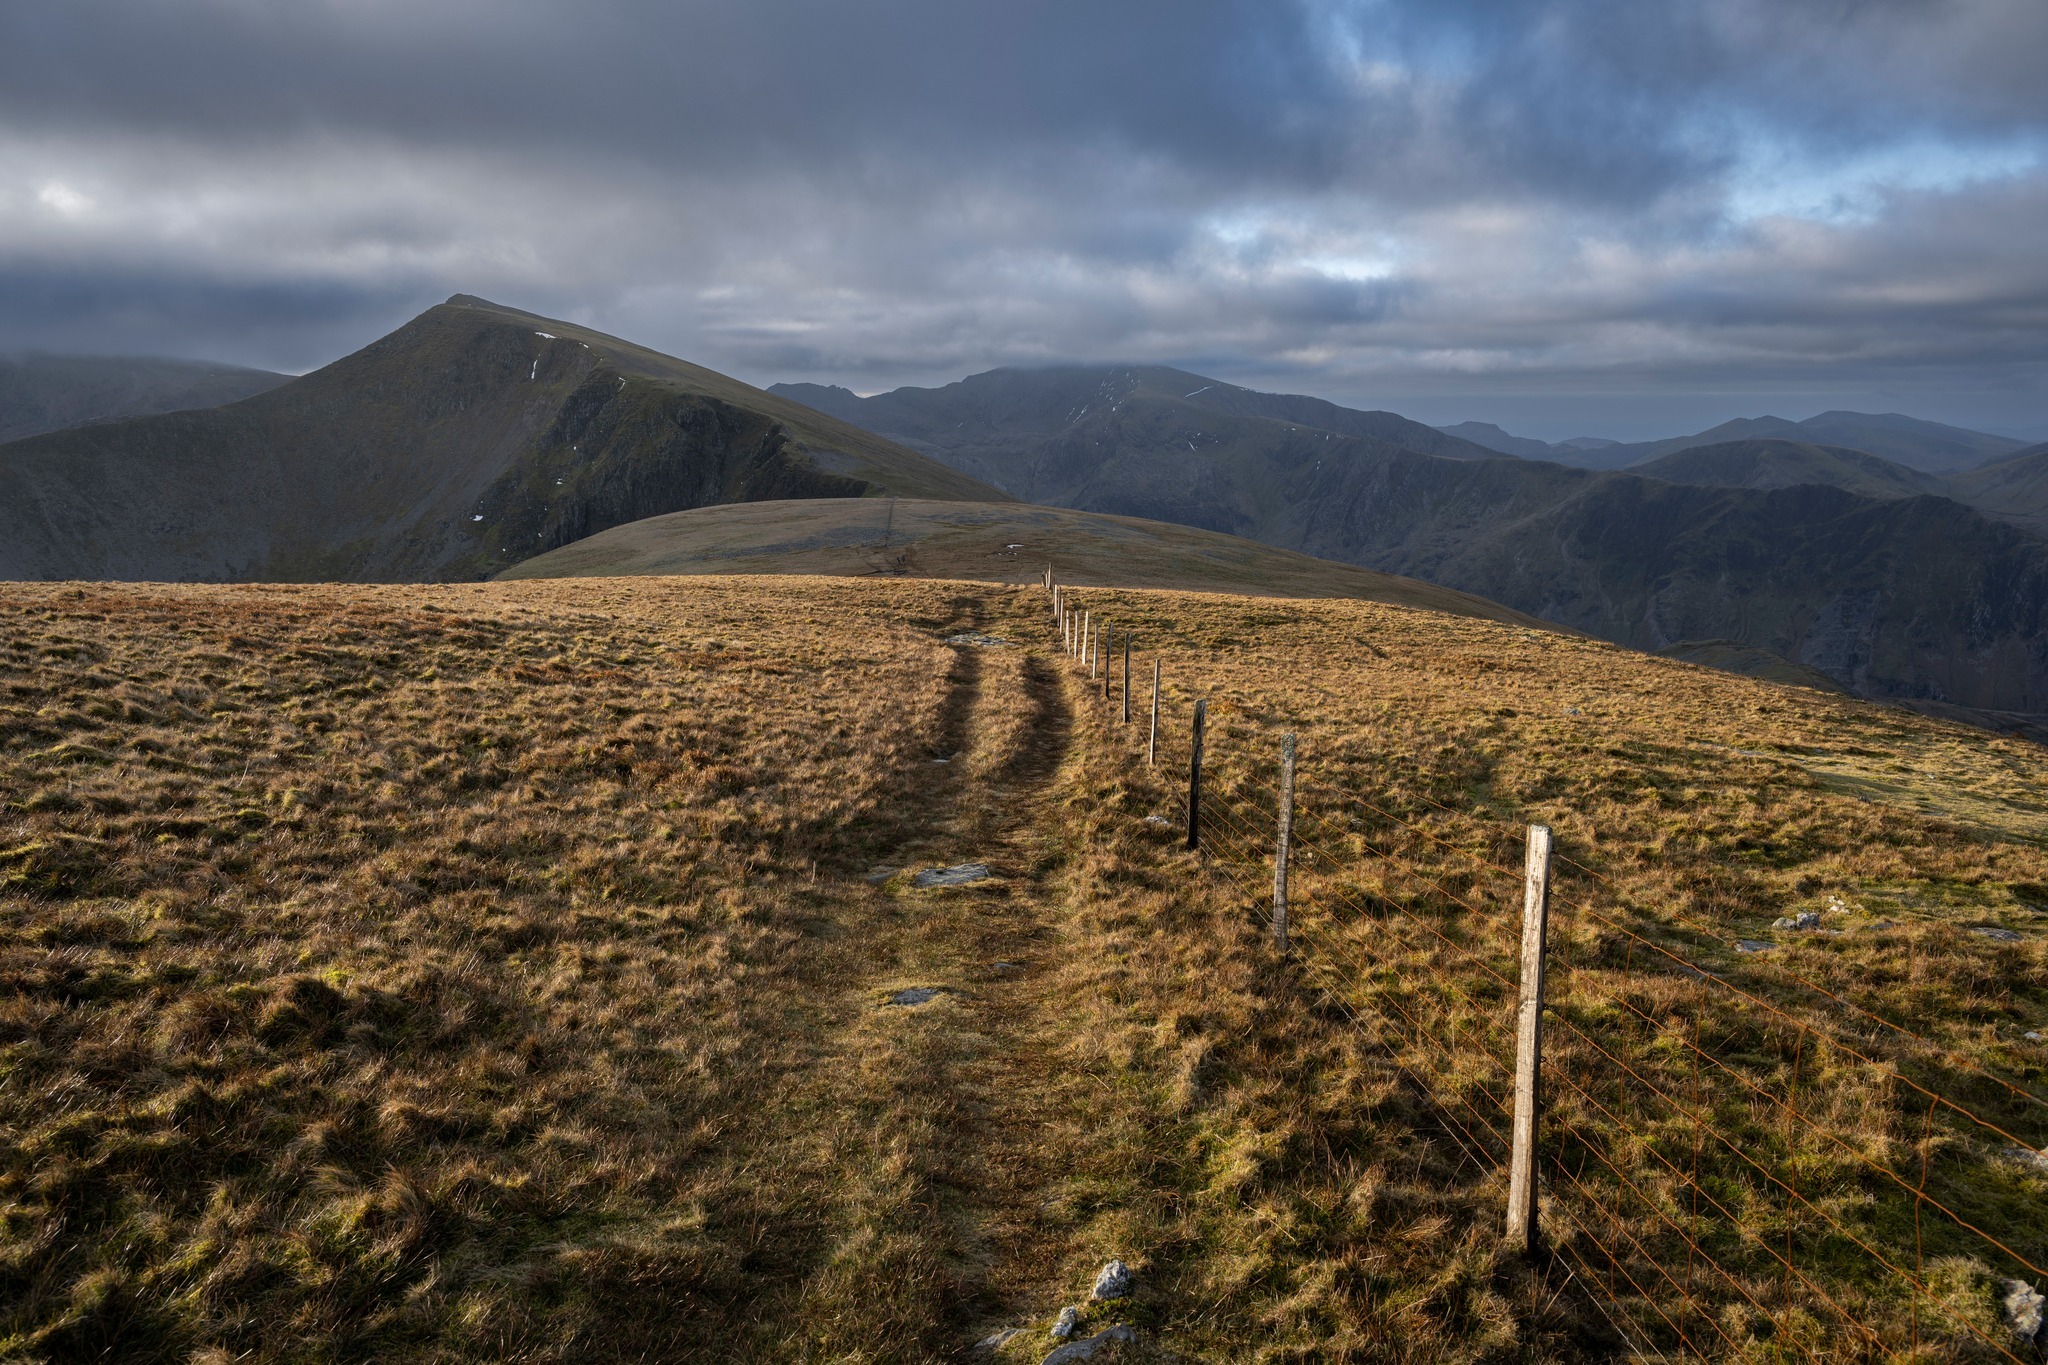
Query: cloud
(1344, 196)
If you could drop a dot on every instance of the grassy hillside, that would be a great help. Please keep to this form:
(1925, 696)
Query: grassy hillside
(41, 393)
(990, 542)
(471, 438)
(506, 971)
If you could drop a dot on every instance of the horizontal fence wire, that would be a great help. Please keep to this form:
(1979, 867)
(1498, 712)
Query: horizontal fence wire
(1733, 1157)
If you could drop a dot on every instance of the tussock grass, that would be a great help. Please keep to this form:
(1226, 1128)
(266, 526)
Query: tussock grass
(498, 972)
(1695, 810)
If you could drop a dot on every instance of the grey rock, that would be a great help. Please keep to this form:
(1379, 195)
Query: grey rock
(1068, 1323)
(963, 875)
(1157, 821)
(1113, 1283)
(1805, 919)
(1086, 1348)
(2034, 1037)
(995, 1341)
(2025, 1309)
(1999, 935)
(2028, 1157)
(976, 638)
(1750, 945)
(915, 995)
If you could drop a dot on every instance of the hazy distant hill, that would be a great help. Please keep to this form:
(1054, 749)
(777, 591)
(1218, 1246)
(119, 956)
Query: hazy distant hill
(471, 438)
(1782, 464)
(1038, 433)
(40, 393)
(2015, 488)
(1493, 438)
(1902, 595)
(1929, 447)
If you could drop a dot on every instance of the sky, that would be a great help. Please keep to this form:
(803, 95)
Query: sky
(1571, 217)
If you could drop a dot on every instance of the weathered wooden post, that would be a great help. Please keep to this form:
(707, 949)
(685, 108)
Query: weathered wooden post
(1108, 655)
(1284, 842)
(1523, 1234)
(1087, 627)
(1195, 775)
(1152, 745)
(1127, 677)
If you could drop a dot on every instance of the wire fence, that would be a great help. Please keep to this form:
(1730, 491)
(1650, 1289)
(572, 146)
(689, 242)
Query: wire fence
(1734, 1158)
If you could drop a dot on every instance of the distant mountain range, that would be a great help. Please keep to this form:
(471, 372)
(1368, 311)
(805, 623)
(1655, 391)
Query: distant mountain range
(40, 393)
(473, 437)
(1824, 557)
(477, 437)
(1926, 446)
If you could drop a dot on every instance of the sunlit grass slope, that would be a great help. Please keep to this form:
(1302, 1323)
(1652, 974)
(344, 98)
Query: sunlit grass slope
(990, 542)
(502, 971)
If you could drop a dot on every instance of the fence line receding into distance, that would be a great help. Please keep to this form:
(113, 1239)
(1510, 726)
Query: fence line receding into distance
(1722, 1152)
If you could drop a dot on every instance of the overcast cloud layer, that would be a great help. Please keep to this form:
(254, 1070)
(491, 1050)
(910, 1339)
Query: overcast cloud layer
(1554, 213)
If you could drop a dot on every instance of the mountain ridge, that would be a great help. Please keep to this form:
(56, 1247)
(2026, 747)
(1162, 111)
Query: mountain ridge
(472, 437)
(1908, 596)
(42, 392)
(1920, 445)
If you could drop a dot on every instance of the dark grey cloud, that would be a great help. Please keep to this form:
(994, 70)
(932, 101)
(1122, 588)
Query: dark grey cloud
(1347, 196)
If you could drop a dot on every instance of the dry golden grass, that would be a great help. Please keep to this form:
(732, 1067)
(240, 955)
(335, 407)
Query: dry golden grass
(500, 972)
(1695, 809)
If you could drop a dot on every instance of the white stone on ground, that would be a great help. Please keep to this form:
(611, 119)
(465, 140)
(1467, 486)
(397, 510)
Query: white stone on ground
(1068, 1323)
(1086, 1348)
(1805, 919)
(1113, 1283)
(962, 875)
(2024, 1309)
(2027, 1156)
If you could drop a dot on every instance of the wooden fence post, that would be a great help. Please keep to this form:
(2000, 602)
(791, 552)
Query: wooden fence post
(1152, 745)
(1284, 843)
(1127, 677)
(1087, 627)
(1195, 775)
(1523, 1234)
(1108, 655)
